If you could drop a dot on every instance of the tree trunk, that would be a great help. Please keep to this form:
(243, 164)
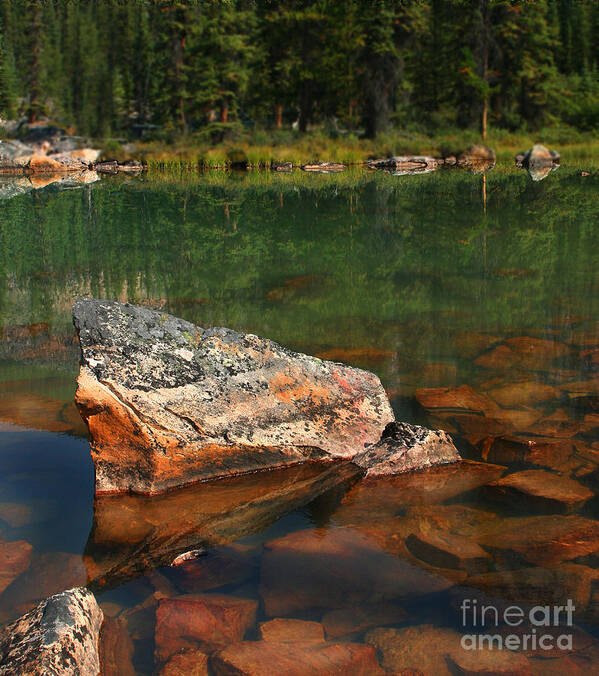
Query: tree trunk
(278, 116)
(224, 111)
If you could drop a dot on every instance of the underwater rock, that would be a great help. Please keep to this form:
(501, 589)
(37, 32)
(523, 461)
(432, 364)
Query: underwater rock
(404, 448)
(349, 622)
(423, 648)
(286, 630)
(14, 559)
(529, 450)
(541, 540)
(339, 568)
(551, 585)
(186, 663)
(263, 658)
(490, 662)
(160, 528)
(204, 621)
(59, 636)
(116, 648)
(448, 550)
(375, 499)
(540, 490)
(169, 403)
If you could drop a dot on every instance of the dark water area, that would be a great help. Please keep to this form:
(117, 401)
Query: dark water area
(473, 298)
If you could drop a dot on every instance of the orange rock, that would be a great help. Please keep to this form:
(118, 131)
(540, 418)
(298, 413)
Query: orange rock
(550, 585)
(539, 451)
(204, 621)
(14, 559)
(42, 164)
(263, 658)
(421, 647)
(375, 499)
(538, 489)
(155, 424)
(523, 394)
(115, 648)
(448, 550)
(542, 540)
(461, 399)
(284, 630)
(526, 352)
(162, 527)
(187, 663)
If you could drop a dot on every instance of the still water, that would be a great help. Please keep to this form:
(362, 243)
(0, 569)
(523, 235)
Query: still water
(475, 299)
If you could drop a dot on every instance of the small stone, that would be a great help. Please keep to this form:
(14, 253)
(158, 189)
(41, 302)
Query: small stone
(284, 630)
(263, 658)
(203, 621)
(540, 490)
(404, 448)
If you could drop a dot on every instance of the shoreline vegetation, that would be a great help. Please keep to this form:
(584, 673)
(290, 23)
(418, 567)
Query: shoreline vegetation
(187, 154)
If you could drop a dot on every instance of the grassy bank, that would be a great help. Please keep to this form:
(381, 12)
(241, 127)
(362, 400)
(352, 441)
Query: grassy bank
(260, 149)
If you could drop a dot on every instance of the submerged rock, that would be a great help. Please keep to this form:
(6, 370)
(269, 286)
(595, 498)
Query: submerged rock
(204, 621)
(59, 636)
(193, 517)
(169, 403)
(540, 490)
(404, 447)
(263, 658)
(285, 630)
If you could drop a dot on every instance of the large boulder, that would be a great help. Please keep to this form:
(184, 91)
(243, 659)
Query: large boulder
(169, 403)
(59, 636)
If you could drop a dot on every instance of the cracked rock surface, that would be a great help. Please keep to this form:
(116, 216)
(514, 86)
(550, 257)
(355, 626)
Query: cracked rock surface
(168, 403)
(59, 636)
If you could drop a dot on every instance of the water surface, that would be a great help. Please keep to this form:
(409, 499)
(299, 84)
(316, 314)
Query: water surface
(474, 300)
